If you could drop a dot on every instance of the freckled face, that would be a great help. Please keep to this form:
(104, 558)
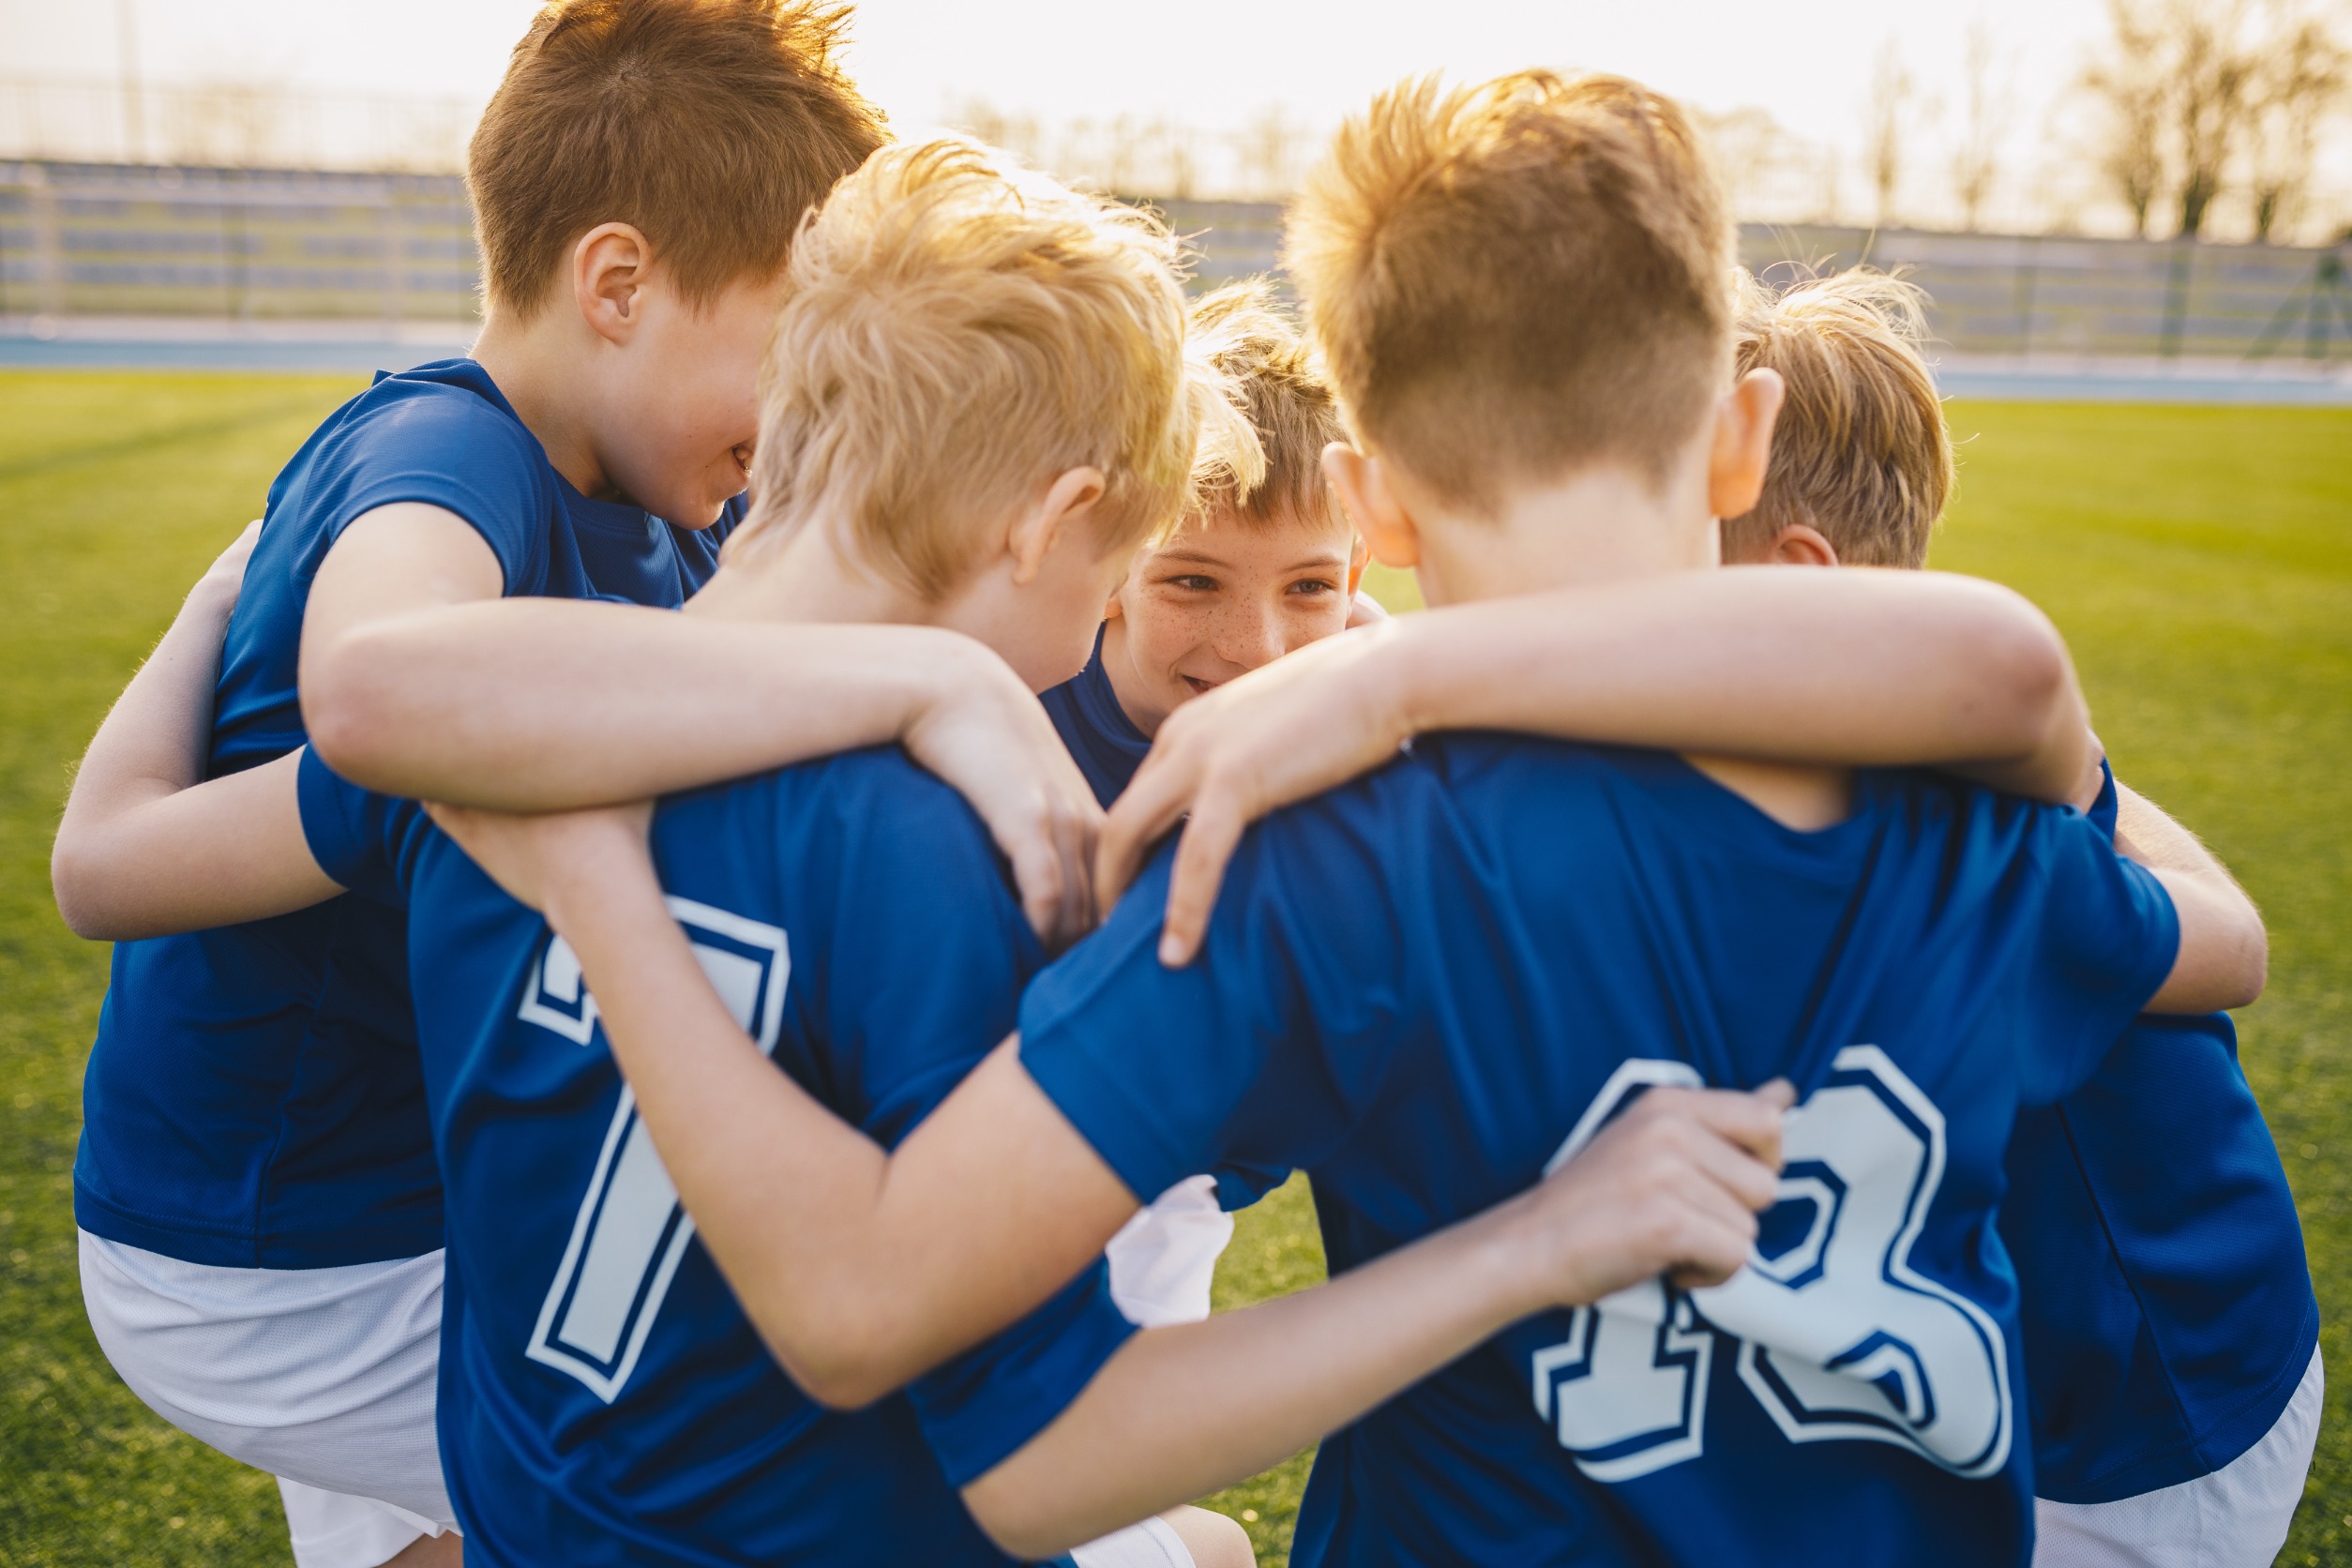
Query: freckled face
(1218, 601)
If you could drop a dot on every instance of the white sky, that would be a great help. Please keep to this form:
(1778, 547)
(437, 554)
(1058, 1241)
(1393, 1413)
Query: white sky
(1213, 63)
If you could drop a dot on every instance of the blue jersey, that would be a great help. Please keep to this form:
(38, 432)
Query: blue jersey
(604, 1399)
(2168, 1308)
(1108, 748)
(1103, 740)
(253, 1099)
(1428, 986)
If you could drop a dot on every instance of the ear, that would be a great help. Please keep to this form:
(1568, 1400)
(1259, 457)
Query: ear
(610, 269)
(1800, 544)
(1358, 554)
(1742, 448)
(1035, 532)
(1372, 504)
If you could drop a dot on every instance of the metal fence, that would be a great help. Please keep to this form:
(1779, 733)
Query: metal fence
(259, 245)
(104, 239)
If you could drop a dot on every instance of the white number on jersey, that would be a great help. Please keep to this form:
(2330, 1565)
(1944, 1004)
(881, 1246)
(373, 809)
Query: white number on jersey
(631, 1231)
(1838, 1337)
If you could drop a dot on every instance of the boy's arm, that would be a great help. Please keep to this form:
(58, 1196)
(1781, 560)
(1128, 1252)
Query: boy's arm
(863, 1269)
(2225, 950)
(419, 680)
(144, 847)
(1859, 667)
(1670, 1187)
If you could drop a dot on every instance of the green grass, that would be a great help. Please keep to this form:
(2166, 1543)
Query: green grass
(2200, 562)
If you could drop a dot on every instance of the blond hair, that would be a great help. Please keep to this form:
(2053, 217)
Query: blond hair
(1861, 452)
(710, 125)
(1291, 411)
(957, 330)
(1513, 280)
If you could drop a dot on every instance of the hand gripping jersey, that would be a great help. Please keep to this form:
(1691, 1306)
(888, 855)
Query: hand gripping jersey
(253, 1099)
(1432, 986)
(604, 1400)
(2168, 1310)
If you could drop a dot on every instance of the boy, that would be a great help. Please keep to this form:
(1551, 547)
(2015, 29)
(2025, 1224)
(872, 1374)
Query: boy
(1251, 575)
(2171, 1335)
(256, 1189)
(1432, 986)
(608, 1402)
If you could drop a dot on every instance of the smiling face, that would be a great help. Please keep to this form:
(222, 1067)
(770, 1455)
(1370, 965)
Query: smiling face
(681, 409)
(1221, 598)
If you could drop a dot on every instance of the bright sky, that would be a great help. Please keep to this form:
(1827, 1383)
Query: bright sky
(1213, 63)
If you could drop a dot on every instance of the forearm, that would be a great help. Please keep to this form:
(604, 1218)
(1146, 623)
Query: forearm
(861, 1272)
(1180, 1411)
(546, 704)
(153, 743)
(220, 853)
(1857, 666)
(2224, 949)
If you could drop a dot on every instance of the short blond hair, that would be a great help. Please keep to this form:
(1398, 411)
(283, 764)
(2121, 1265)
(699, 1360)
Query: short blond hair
(711, 125)
(956, 330)
(1861, 452)
(1514, 280)
(1244, 333)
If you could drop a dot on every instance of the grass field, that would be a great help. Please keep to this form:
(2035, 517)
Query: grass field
(2200, 562)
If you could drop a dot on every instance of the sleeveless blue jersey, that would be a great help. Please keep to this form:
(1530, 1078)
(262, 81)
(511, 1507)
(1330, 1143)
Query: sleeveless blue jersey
(2168, 1309)
(253, 1099)
(1426, 987)
(604, 1400)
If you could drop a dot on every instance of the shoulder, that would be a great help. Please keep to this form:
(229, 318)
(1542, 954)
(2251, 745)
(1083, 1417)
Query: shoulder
(450, 414)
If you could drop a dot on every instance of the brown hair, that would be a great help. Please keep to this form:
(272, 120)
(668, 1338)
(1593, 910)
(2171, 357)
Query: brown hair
(711, 125)
(1861, 451)
(1511, 280)
(956, 330)
(1290, 407)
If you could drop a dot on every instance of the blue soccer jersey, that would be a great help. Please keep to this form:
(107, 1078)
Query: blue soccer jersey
(604, 1399)
(1103, 740)
(1427, 988)
(253, 1099)
(2168, 1309)
(1108, 749)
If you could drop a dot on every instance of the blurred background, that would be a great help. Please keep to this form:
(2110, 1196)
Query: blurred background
(2088, 189)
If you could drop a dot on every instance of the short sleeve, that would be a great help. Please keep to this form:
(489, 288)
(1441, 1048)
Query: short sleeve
(926, 950)
(2109, 938)
(1262, 1051)
(448, 447)
(980, 1408)
(361, 839)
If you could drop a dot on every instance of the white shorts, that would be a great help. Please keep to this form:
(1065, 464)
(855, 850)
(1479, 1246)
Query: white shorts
(2236, 1517)
(1153, 1544)
(324, 1377)
(1163, 1260)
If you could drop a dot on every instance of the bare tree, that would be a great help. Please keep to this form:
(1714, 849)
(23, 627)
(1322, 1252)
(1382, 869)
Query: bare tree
(2132, 88)
(1886, 128)
(2213, 77)
(1989, 103)
(1267, 153)
(2301, 79)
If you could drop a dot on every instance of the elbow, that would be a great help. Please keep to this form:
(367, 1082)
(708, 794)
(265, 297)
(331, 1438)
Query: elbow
(841, 1364)
(350, 708)
(77, 879)
(1021, 1517)
(2028, 678)
(2250, 970)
